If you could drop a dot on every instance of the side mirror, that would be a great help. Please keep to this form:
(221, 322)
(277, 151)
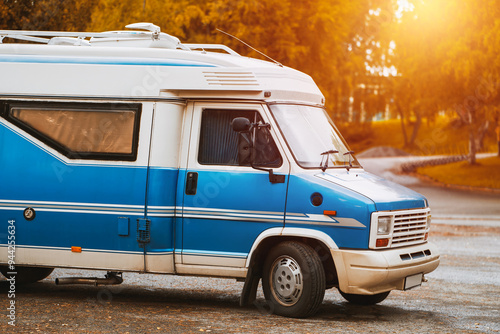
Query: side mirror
(246, 145)
(241, 124)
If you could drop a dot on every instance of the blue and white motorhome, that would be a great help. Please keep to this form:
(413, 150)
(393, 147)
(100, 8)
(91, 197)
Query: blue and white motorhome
(128, 151)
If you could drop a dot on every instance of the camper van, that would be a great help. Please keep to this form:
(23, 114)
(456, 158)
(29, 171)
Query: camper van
(128, 151)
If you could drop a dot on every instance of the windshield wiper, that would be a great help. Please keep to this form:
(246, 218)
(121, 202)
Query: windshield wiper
(350, 159)
(326, 155)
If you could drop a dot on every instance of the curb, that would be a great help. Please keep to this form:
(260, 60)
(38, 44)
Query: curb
(410, 167)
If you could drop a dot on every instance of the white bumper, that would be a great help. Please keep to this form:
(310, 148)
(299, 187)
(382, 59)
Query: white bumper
(375, 271)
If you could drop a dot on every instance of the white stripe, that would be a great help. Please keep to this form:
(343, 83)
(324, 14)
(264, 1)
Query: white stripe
(318, 219)
(92, 250)
(233, 218)
(72, 207)
(231, 211)
(187, 212)
(72, 203)
(83, 249)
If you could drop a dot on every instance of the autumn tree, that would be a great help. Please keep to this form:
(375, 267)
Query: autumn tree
(67, 15)
(15, 14)
(416, 56)
(473, 80)
(445, 54)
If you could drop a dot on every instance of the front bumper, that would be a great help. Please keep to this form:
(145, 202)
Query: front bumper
(375, 271)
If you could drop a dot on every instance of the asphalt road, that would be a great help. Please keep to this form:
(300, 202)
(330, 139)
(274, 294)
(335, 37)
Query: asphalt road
(461, 296)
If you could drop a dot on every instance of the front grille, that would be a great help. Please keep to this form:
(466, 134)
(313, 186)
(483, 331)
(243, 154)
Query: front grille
(409, 228)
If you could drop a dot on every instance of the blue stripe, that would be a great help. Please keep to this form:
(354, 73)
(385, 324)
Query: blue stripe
(100, 61)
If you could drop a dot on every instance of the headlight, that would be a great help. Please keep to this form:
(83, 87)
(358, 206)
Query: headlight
(384, 224)
(428, 222)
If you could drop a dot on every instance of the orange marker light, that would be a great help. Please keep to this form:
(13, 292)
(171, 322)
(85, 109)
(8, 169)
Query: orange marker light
(76, 249)
(329, 213)
(382, 242)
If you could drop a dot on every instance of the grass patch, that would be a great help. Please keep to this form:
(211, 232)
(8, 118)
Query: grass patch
(486, 174)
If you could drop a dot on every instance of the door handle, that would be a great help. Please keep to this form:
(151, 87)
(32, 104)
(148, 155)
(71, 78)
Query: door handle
(191, 183)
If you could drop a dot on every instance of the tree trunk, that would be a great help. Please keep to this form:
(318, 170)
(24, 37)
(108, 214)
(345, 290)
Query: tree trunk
(468, 117)
(481, 133)
(403, 128)
(472, 146)
(416, 127)
(497, 131)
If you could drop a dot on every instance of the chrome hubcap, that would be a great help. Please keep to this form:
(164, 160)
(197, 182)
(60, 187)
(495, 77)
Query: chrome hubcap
(286, 280)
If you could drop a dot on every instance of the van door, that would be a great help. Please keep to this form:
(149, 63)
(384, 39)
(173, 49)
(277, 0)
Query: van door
(162, 183)
(227, 203)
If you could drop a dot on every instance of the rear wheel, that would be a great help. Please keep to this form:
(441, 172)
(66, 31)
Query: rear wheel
(26, 275)
(365, 299)
(293, 280)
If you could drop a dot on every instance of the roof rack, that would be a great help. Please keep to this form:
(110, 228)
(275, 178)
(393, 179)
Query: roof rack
(152, 33)
(212, 48)
(145, 35)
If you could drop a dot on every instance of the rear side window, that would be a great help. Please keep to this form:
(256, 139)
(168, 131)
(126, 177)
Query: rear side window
(81, 131)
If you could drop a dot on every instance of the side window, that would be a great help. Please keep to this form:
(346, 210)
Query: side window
(221, 145)
(81, 131)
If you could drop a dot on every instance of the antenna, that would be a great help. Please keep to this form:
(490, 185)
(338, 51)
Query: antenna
(251, 47)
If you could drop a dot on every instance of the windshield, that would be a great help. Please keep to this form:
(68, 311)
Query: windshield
(312, 136)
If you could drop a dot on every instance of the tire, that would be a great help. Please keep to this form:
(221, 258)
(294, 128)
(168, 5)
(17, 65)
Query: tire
(293, 280)
(27, 275)
(365, 299)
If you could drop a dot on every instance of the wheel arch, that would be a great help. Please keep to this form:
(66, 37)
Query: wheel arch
(319, 241)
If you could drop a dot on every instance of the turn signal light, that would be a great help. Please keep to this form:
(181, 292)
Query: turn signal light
(382, 242)
(426, 236)
(329, 213)
(76, 249)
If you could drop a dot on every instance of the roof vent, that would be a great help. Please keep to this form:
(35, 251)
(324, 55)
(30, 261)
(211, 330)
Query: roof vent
(68, 41)
(144, 26)
(235, 78)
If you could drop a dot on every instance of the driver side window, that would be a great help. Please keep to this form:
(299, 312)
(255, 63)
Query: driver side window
(221, 145)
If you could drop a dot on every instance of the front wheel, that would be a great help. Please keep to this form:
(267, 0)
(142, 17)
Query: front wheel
(293, 280)
(365, 299)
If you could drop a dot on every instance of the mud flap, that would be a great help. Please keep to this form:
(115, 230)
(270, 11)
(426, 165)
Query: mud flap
(249, 292)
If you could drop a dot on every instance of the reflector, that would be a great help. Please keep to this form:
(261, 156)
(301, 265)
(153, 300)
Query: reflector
(329, 213)
(382, 242)
(76, 249)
